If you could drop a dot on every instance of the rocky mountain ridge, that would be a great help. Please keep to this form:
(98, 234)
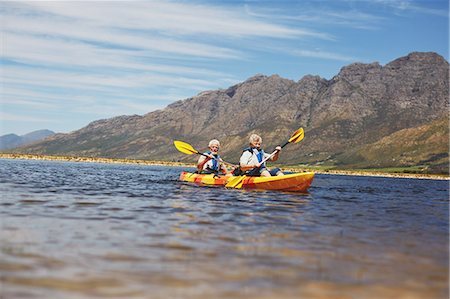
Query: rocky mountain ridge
(353, 111)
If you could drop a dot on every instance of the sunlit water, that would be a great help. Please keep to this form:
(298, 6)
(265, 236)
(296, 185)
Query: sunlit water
(86, 230)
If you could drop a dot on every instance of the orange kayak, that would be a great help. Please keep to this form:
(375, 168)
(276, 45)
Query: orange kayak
(298, 182)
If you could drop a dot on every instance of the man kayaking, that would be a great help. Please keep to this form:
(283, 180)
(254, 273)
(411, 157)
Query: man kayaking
(251, 158)
(212, 163)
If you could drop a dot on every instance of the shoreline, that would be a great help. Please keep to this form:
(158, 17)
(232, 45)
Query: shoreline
(168, 163)
(92, 160)
(439, 177)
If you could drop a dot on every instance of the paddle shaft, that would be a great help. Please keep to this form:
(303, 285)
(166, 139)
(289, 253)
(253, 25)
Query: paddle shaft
(272, 154)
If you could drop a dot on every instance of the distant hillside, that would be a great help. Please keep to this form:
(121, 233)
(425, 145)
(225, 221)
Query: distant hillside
(9, 141)
(354, 120)
(423, 145)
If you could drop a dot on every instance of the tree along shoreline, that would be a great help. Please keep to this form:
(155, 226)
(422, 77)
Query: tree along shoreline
(184, 164)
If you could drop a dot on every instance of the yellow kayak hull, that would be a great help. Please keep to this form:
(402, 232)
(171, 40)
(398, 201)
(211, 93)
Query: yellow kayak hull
(297, 182)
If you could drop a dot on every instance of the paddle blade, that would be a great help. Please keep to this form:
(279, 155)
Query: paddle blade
(235, 182)
(184, 147)
(297, 136)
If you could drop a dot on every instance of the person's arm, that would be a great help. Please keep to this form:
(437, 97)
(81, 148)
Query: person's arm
(201, 162)
(224, 169)
(245, 162)
(275, 157)
(249, 167)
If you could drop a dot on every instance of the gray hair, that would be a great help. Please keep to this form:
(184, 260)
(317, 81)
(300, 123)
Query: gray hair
(254, 138)
(214, 141)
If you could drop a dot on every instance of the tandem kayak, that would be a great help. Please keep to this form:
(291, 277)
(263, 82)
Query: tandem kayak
(297, 182)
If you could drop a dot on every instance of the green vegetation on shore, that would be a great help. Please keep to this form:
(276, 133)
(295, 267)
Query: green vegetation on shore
(407, 172)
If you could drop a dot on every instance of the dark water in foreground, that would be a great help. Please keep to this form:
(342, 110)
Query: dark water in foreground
(75, 230)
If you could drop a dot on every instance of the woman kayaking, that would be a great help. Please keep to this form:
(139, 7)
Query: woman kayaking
(251, 158)
(210, 162)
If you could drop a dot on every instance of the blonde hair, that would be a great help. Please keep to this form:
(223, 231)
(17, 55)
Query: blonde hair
(254, 138)
(214, 141)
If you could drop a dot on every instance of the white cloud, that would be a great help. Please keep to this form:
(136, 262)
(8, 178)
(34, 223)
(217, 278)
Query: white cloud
(19, 75)
(52, 36)
(168, 18)
(18, 100)
(106, 41)
(421, 7)
(21, 118)
(57, 53)
(322, 54)
(345, 17)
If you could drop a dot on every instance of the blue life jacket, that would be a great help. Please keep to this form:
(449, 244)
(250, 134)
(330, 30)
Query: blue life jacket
(259, 156)
(215, 163)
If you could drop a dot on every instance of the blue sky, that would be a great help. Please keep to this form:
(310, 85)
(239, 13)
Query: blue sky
(65, 64)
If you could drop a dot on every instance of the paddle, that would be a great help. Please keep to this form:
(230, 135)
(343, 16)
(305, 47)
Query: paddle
(186, 148)
(236, 182)
(295, 138)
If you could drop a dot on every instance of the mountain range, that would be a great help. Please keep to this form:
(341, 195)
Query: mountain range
(9, 141)
(367, 116)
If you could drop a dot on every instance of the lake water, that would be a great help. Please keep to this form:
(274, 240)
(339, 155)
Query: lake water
(87, 230)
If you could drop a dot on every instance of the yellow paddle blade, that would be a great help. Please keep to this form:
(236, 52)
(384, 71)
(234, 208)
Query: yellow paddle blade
(184, 147)
(297, 136)
(235, 182)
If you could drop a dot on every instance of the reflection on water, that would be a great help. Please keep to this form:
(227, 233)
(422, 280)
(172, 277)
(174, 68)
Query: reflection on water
(75, 230)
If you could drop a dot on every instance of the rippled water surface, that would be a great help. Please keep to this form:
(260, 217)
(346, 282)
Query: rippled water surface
(86, 230)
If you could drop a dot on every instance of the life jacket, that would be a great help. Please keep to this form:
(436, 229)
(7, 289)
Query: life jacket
(259, 155)
(215, 163)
